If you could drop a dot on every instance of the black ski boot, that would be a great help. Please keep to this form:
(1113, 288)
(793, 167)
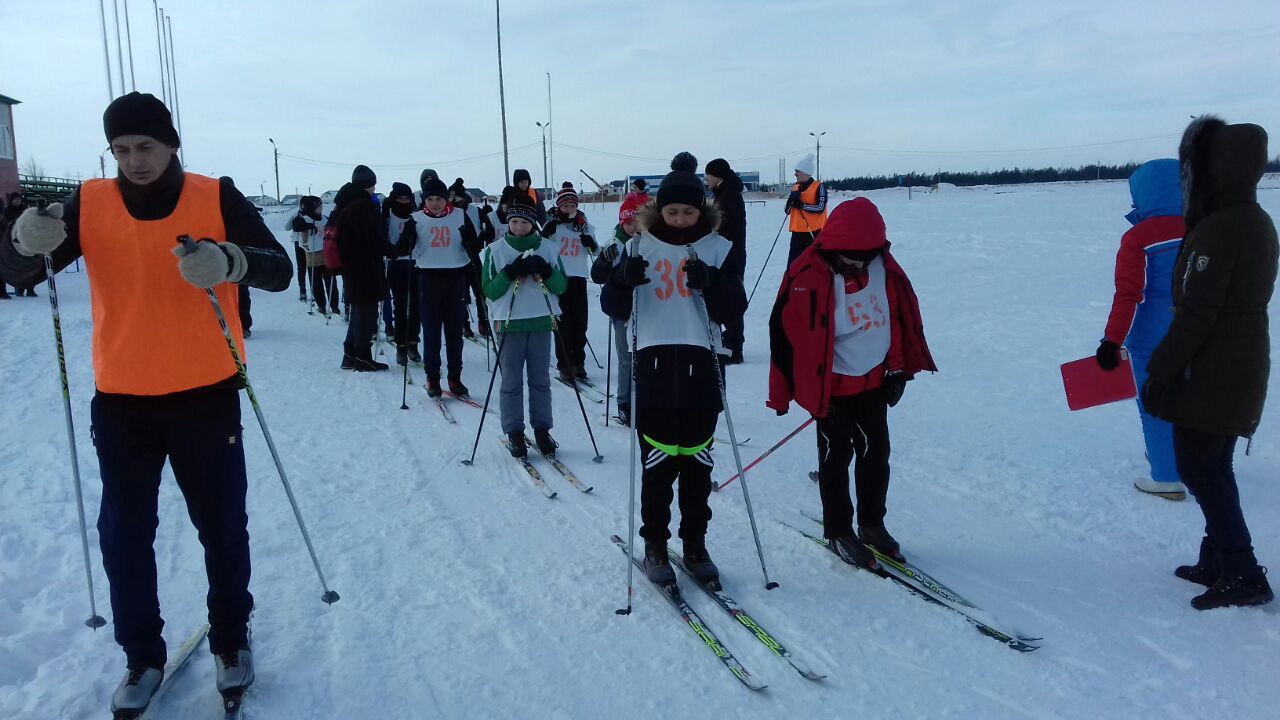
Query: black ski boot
(849, 549)
(518, 449)
(580, 373)
(1230, 591)
(433, 386)
(348, 362)
(414, 355)
(369, 365)
(402, 356)
(880, 539)
(546, 445)
(467, 332)
(657, 564)
(1205, 572)
(624, 414)
(458, 389)
(700, 564)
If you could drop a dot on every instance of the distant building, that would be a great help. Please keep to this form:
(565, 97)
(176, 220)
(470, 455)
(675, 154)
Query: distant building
(8, 148)
(750, 181)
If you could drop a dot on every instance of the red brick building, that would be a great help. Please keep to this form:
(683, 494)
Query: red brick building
(8, 148)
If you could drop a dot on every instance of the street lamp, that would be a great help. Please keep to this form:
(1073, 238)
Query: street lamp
(818, 161)
(545, 184)
(276, 153)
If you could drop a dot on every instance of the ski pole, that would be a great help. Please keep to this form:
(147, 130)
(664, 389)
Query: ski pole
(555, 330)
(95, 620)
(766, 453)
(733, 438)
(404, 333)
(329, 597)
(608, 373)
(594, 357)
(497, 361)
(766, 259)
(635, 443)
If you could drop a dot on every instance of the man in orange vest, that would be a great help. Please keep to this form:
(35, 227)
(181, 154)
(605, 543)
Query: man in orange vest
(167, 387)
(522, 182)
(807, 206)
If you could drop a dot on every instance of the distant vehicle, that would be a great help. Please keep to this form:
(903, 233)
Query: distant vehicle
(291, 200)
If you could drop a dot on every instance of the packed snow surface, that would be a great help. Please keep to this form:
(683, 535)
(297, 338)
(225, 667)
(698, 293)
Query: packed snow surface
(466, 594)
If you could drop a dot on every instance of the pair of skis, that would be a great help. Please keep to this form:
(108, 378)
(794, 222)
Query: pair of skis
(536, 477)
(586, 387)
(926, 587)
(734, 610)
(232, 702)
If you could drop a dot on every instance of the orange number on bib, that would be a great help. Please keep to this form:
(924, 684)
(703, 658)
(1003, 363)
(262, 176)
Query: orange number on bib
(441, 237)
(671, 286)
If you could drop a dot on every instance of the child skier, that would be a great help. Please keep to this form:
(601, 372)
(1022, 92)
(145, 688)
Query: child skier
(440, 251)
(569, 231)
(668, 283)
(397, 213)
(845, 337)
(308, 229)
(516, 269)
(461, 199)
(1140, 310)
(601, 269)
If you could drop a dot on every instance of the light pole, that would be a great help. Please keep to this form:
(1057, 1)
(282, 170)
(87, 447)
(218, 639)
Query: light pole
(818, 161)
(164, 85)
(502, 96)
(544, 154)
(553, 135)
(276, 153)
(262, 191)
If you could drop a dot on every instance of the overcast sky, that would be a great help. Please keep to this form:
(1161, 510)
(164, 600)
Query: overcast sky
(405, 84)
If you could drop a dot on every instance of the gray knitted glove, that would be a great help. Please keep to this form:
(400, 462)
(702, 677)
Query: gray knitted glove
(39, 234)
(211, 263)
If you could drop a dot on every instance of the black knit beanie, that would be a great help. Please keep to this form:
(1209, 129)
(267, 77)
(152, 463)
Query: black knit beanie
(685, 162)
(720, 168)
(139, 114)
(434, 187)
(363, 178)
(399, 190)
(681, 186)
(523, 209)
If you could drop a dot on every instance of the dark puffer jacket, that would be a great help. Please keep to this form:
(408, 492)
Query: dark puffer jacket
(1210, 371)
(362, 246)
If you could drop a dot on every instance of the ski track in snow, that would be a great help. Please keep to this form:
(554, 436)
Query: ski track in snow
(466, 594)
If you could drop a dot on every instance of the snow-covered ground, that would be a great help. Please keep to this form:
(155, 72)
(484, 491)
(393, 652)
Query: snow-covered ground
(466, 594)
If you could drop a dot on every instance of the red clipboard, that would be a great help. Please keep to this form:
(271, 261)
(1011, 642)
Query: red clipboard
(1088, 385)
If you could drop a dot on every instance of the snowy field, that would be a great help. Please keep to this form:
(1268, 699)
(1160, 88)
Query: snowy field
(466, 594)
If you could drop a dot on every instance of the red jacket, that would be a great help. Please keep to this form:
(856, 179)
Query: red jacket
(801, 331)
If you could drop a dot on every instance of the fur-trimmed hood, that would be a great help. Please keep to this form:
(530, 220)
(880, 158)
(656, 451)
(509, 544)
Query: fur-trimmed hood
(649, 219)
(1220, 164)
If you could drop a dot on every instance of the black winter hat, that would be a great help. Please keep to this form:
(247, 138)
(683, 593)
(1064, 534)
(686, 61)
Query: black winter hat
(684, 161)
(308, 203)
(683, 187)
(521, 174)
(458, 188)
(139, 114)
(425, 176)
(640, 183)
(226, 180)
(399, 190)
(720, 168)
(434, 187)
(362, 177)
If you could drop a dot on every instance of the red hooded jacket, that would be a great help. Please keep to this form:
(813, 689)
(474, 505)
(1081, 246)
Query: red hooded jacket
(801, 330)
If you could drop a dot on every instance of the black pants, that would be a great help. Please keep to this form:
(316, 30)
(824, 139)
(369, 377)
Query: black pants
(732, 333)
(245, 305)
(1204, 464)
(300, 256)
(573, 326)
(324, 283)
(404, 302)
(441, 297)
(800, 241)
(477, 291)
(200, 435)
(686, 429)
(855, 426)
(362, 328)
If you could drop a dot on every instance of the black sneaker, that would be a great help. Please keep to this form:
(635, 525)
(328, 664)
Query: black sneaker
(1236, 591)
(362, 365)
(880, 539)
(699, 562)
(402, 356)
(433, 386)
(546, 445)
(657, 564)
(517, 446)
(457, 388)
(849, 549)
(1198, 574)
(414, 355)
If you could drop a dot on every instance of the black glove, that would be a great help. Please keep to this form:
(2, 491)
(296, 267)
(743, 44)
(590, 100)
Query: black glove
(537, 265)
(1108, 355)
(1153, 394)
(632, 272)
(590, 243)
(895, 383)
(517, 268)
(699, 275)
(792, 200)
(300, 224)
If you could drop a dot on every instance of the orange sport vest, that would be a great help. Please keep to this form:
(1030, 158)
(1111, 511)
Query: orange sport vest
(533, 195)
(802, 221)
(153, 332)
